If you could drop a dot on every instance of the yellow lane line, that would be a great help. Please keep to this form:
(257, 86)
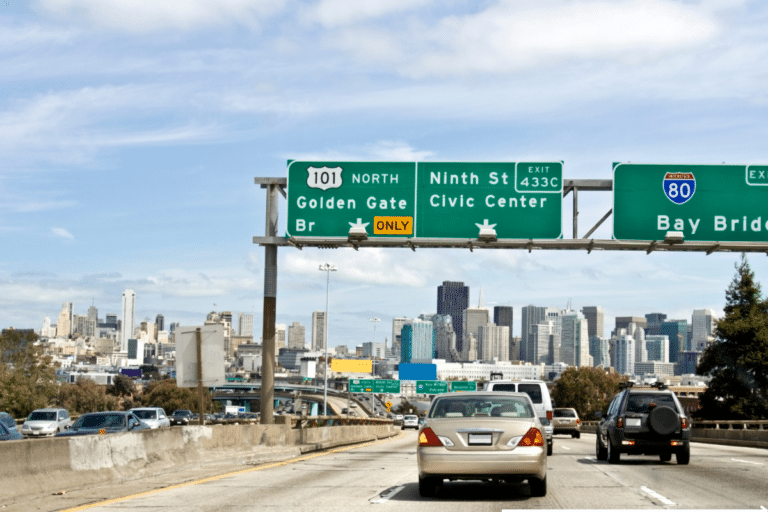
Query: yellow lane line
(226, 475)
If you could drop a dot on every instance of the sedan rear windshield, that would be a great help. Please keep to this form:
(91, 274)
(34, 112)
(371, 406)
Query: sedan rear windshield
(451, 407)
(99, 421)
(146, 415)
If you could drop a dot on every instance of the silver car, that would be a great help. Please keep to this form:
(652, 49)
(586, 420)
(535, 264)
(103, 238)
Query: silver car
(493, 436)
(155, 417)
(46, 422)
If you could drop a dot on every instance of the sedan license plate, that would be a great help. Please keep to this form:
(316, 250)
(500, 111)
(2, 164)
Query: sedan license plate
(480, 439)
(633, 422)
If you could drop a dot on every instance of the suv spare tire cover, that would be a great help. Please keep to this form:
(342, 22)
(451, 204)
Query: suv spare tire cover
(663, 420)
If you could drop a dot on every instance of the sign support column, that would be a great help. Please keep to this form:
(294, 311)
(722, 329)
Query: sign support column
(270, 310)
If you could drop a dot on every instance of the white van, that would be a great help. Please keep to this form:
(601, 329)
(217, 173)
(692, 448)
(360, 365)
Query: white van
(539, 393)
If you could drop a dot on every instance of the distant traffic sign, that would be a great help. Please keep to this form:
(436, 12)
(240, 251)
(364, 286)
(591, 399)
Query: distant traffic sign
(425, 199)
(431, 387)
(460, 385)
(374, 386)
(719, 203)
(361, 386)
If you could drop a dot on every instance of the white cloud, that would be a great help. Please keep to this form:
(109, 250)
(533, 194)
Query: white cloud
(384, 150)
(334, 13)
(153, 15)
(62, 233)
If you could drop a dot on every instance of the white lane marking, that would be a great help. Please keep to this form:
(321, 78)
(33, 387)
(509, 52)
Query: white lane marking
(748, 462)
(388, 494)
(565, 447)
(657, 496)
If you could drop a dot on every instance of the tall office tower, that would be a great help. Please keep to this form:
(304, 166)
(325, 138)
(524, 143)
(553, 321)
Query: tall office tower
(159, 323)
(280, 336)
(625, 355)
(657, 347)
(397, 328)
(595, 320)
(93, 314)
(83, 325)
(473, 318)
(599, 349)
(445, 338)
(453, 299)
(110, 321)
(653, 323)
(64, 326)
(503, 316)
(622, 322)
(704, 323)
(245, 324)
(418, 341)
(638, 333)
(541, 347)
(530, 316)
(574, 339)
(318, 331)
(677, 331)
(493, 342)
(128, 319)
(297, 336)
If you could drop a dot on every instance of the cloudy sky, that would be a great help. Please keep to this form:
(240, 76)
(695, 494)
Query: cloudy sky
(131, 131)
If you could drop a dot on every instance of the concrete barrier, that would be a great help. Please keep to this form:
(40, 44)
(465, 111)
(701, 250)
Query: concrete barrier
(35, 466)
(729, 436)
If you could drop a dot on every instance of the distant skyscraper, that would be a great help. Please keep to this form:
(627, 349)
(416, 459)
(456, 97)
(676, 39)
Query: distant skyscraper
(653, 323)
(599, 349)
(245, 324)
(445, 338)
(622, 322)
(493, 342)
(397, 328)
(703, 322)
(129, 312)
(418, 341)
(297, 336)
(64, 326)
(657, 347)
(574, 340)
(159, 323)
(541, 347)
(318, 331)
(530, 316)
(93, 314)
(474, 318)
(595, 320)
(504, 316)
(677, 331)
(625, 355)
(453, 299)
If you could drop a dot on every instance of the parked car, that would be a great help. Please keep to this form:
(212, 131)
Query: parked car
(494, 436)
(181, 417)
(567, 421)
(410, 421)
(7, 434)
(647, 421)
(46, 422)
(542, 402)
(109, 422)
(155, 417)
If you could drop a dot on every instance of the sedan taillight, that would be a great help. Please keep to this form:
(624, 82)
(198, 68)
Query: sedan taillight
(429, 438)
(532, 438)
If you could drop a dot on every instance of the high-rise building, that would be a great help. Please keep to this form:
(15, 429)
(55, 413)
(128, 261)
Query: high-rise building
(245, 324)
(281, 335)
(418, 341)
(677, 332)
(504, 316)
(599, 349)
(574, 339)
(657, 347)
(128, 318)
(703, 332)
(530, 316)
(541, 347)
(493, 342)
(297, 336)
(397, 328)
(93, 314)
(473, 318)
(625, 355)
(453, 299)
(159, 323)
(445, 338)
(622, 322)
(318, 331)
(654, 322)
(64, 326)
(595, 320)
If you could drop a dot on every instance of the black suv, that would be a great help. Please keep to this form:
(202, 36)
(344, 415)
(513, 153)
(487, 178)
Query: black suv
(647, 421)
(181, 417)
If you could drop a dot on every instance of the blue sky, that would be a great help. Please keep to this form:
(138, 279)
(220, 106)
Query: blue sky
(131, 131)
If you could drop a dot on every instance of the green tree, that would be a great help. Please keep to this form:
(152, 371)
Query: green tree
(27, 378)
(166, 394)
(586, 389)
(86, 396)
(737, 361)
(122, 387)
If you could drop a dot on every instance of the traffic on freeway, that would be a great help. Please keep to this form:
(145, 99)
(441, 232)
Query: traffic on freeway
(385, 474)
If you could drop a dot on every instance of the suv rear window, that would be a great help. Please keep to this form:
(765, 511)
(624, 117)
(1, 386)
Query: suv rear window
(504, 387)
(641, 403)
(565, 413)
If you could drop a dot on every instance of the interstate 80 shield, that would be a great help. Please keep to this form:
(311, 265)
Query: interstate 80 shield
(679, 186)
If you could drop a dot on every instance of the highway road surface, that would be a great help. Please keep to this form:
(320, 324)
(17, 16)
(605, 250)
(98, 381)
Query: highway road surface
(382, 476)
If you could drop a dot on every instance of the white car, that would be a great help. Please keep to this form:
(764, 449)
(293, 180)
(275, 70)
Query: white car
(410, 421)
(46, 422)
(155, 417)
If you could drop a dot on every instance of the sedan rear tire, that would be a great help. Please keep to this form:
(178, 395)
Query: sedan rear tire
(538, 487)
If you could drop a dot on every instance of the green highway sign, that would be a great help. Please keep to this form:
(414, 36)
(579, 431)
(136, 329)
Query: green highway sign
(386, 386)
(361, 386)
(460, 385)
(431, 387)
(425, 199)
(718, 203)
(374, 386)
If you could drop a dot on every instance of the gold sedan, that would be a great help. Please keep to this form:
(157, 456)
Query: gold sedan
(482, 436)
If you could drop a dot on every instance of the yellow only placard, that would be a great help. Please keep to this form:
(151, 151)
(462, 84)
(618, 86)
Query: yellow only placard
(393, 225)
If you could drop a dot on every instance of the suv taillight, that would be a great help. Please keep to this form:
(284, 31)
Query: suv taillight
(429, 438)
(620, 422)
(578, 421)
(549, 415)
(684, 422)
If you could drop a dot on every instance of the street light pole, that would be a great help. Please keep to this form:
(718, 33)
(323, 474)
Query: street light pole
(327, 268)
(375, 320)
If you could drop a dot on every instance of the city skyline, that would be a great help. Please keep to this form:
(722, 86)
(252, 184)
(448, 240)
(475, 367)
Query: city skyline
(132, 137)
